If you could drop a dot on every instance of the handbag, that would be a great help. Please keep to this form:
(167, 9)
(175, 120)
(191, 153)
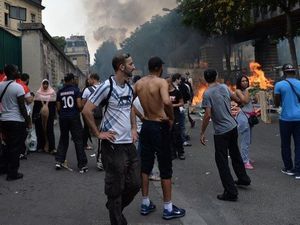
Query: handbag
(252, 119)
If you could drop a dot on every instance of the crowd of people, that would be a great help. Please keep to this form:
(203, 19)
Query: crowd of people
(137, 121)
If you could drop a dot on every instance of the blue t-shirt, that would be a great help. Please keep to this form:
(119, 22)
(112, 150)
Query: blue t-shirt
(67, 96)
(289, 101)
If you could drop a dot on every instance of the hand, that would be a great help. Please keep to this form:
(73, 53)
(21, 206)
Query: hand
(109, 135)
(134, 135)
(29, 125)
(202, 139)
(171, 122)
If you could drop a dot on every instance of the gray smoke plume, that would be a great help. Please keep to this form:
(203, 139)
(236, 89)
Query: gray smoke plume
(115, 19)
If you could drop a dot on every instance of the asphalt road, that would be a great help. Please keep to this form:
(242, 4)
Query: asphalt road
(49, 197)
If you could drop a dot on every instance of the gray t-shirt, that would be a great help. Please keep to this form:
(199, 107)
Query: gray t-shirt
(218, 99)
(10, 107)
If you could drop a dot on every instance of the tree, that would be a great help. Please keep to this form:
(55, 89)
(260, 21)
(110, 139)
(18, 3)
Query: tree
(60, 42)
(102, 62)
(286, 6)
(164, 36)
(217, 19)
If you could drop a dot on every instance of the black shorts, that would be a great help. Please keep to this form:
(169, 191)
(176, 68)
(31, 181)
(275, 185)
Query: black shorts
(155, 139)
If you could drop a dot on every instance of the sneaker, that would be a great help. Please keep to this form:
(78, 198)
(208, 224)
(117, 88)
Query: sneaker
(22, 156)
(175, 213)
(248, 166)
(100, 166)
(145, 210)
(154, 177)
(83, 169)
(297, 176)
(288, 172)
(58, 165)
(187, 144)
(227, 197)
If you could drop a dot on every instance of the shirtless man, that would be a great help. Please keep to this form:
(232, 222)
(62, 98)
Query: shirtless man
(158, 118)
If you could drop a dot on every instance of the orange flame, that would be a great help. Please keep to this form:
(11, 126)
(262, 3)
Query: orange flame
(258, 77)
(198, 97)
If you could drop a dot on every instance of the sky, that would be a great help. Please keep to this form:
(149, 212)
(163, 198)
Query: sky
(100, 20)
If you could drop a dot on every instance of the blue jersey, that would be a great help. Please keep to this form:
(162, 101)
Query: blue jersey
(67, 96)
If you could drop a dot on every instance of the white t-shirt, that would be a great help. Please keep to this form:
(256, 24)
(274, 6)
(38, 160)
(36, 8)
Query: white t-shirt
(117, 116)
(10, 107)
(86, 93)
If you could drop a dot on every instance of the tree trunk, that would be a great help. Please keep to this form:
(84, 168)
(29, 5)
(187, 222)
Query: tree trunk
(227, 53)
(290, 36)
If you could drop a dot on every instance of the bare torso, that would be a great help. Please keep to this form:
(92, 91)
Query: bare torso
(149, 91)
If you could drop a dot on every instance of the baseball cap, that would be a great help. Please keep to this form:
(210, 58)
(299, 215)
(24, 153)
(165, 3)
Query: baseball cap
(155, 63)
(288, 68)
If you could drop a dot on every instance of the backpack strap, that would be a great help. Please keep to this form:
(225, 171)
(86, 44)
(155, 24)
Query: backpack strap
(3, 92)
(293, 88)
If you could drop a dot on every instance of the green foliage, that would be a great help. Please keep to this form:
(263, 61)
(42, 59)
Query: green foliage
(103, 57)
(216, 17)
(164, 36)
(60, 42)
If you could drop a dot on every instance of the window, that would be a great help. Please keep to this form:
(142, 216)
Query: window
(33, 18)
(17, 13)
(6, 19)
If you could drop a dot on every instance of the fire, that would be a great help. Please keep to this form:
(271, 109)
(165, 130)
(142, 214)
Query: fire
(198, 97)
(258, 77)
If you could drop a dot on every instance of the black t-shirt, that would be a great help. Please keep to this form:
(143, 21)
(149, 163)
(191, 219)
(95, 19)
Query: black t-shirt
(175, 97)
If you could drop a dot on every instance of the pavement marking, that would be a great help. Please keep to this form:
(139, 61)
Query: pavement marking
(191, 217)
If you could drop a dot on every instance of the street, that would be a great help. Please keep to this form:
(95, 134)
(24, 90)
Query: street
(49, 197)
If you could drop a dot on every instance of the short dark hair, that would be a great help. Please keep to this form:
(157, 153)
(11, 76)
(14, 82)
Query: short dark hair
(24, 77)
(95, 76)
(69, 77)
(176, 76)
(10, 71)
(239, 81)
(210, 75)
(119, 59)
(155, 63)
(136, 78)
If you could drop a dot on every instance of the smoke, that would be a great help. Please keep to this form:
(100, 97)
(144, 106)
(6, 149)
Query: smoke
(116, 19)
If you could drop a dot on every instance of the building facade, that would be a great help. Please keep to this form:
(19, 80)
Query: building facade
(42, 58)
(77, 50)
(15, 12)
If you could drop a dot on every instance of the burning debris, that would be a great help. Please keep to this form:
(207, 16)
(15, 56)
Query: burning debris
(258, 79)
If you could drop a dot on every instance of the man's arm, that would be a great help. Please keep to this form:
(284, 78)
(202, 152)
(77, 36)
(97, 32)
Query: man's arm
(58, 106)
(168, 107)
(133, 125)
(79, 104)
(277, 100)
(205, 123)
(87, 112)
(22, 108)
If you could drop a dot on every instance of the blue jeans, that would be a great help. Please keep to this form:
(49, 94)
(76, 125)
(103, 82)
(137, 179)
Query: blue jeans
(245, 135)
(287, 130)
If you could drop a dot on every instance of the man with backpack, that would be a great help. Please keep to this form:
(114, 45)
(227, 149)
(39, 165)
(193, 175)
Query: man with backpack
(117, 134)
